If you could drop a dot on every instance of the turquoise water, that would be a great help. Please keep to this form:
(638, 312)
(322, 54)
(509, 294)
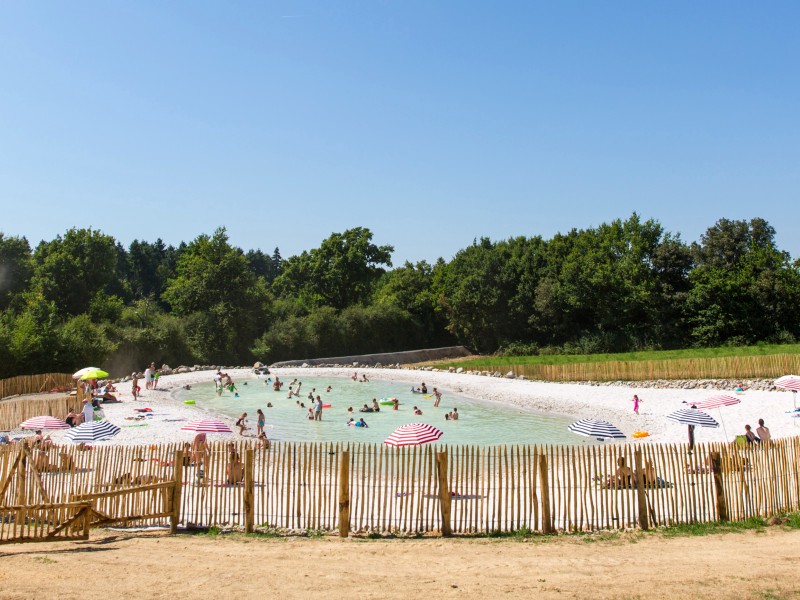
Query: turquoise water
(479, 422)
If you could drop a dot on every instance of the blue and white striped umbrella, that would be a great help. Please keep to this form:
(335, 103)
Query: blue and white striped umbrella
(596, 428)
(692, 416)
(95, 431)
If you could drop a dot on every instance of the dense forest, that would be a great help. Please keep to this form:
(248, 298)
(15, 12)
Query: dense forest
(83, 298)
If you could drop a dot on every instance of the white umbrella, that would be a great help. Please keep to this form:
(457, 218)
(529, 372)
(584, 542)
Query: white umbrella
(596, 428)
(93, 431)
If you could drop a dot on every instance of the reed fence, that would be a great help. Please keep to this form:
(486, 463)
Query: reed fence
(14, 411)
(733, 367)
(369, 488)
(35, 384)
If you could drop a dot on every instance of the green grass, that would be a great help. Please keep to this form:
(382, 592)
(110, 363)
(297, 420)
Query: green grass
(562, 359)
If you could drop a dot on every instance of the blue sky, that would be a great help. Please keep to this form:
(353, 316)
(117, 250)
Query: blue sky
(431, 123)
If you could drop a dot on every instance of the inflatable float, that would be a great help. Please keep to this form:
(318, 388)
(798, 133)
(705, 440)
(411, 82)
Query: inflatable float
(641, 434)
(188, 402)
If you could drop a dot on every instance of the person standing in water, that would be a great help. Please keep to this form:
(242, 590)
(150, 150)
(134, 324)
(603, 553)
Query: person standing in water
(438, 395)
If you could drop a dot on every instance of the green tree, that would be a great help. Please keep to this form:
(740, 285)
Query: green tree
(224, 303)
(342, 271)
(72, 270)
(16, 268)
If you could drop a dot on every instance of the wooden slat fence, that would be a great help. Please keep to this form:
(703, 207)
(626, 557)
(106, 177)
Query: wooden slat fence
(733, 367)
(297, 487)
(14, 411)
(34, 384)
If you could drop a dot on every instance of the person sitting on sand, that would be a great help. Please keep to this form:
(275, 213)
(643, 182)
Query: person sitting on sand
(110, 386)
(649, 475)
(622, 477)
(241, 423)
(417, 411)
(763, 431)
(72, 419)
(375, 406)
(263, 442)
(234, 472)
(750, 436)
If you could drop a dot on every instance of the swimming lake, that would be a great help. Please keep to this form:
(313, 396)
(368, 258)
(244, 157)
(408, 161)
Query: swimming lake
(480, 422)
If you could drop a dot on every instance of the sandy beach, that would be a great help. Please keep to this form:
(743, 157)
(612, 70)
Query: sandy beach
(752, 564)
(612, 403)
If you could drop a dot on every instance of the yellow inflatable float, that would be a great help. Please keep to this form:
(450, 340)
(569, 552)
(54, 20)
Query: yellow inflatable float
(641, 434)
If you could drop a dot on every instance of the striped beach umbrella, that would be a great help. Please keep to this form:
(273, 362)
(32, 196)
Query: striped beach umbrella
(206, 426)
(94, 431)
(413, 434)
(789, 382)
(715, 402)
(596, 428)
(44, 422)
(692, 416)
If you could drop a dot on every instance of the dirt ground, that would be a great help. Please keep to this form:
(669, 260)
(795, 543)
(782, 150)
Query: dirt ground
(751, 564)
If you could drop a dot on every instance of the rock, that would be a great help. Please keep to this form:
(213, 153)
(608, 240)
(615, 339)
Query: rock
(258, 364)
(355, 363)
(510, 375)
(166, 370)
(304, 366)
(460, 370)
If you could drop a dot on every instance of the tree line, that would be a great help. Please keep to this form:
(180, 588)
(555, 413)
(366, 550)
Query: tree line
(83, 298)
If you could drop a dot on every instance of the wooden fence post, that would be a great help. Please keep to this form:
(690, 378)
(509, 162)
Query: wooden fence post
(22, 471)
(640, 493)
(344, 494)
(722, 503)
(249, 490)
(444, 492)
(547, 525)
(177, 488)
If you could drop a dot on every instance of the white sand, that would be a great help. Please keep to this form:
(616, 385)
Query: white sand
(612, 403)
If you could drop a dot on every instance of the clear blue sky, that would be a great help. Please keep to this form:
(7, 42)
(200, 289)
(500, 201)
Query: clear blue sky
(431, 123)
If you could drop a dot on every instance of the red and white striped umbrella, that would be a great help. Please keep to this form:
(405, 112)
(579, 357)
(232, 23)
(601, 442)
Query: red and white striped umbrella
(788, 382)
(413, 434)
(716, 402)
(44, 422)
(206, 426)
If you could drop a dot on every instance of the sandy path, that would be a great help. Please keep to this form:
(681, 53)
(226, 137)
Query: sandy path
(754, 564)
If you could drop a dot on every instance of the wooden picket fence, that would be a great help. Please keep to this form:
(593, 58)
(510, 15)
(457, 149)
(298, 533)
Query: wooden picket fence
(730, 367)
(35, 384)
(368, 488)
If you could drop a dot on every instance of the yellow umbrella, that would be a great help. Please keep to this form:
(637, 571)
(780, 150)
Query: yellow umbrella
(94, 374)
